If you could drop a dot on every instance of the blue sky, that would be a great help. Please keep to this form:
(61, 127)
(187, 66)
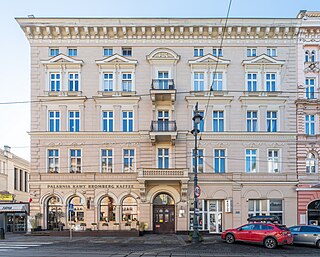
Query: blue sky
(15, 70)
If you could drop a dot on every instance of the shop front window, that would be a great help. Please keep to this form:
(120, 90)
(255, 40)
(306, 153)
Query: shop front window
(271, 207)
(107, 210)
(76, 209)
(129, 209)
(54, 213)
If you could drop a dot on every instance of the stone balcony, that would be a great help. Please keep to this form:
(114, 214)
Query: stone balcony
(150, 174)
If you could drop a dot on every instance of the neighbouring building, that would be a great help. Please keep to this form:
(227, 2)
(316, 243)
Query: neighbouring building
(308, 119)
(112, 108)
(14, 191)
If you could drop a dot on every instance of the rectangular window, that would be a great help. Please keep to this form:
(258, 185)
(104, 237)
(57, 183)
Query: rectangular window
(107, 121)
(200, 160)
(55, 81)
(252, 121)
(218, 121)
(251, 160)
(219, 161)
(128, 160)
(54, 121)
(53, 161)
(21, 180)
(163, 120)
(163, 158)
(75, 161)
(107, 81)
(163, 79)
(271, 121)
(217, 52)
(266, 207)
(310, 88)
(127, 51)
(272, 52)
(53, 51)
(217, 82)
(252, 82)
(73, 81)
(273, 161)
(74, 121)
(198, 81)
(251, 52)
(127, 121)
(72, 51)
(107, 51)
(126, 82)
(106, 160)
(197, 52)
(310, 124)
(271, 82)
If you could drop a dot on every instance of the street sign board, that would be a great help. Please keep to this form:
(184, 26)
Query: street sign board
(70, 207)
(197, 191)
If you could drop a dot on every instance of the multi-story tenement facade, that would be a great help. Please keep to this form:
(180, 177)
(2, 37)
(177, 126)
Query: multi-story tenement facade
(308, 119)
(14, 191)
(112, 108)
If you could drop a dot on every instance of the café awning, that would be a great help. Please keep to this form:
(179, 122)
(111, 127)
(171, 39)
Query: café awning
(14, 207)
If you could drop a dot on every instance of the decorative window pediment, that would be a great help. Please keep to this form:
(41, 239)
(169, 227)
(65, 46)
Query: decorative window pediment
(62, 59)
(163, 55)
(263, 59)
(116, 59)
(209, 59)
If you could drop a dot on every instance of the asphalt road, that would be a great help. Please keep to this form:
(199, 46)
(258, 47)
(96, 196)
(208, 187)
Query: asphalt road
(146, 246)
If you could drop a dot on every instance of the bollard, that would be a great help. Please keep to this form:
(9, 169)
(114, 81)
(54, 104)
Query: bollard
(2, 235)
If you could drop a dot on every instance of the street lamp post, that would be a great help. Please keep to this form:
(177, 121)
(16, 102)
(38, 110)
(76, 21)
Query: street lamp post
(196, 120)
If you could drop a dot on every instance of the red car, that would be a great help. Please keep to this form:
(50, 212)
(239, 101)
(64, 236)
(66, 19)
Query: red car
(270, 235)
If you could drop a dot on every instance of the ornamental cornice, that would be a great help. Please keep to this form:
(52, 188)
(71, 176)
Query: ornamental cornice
(263, 59)
(116, 59)
(209, 59)
(176, 28)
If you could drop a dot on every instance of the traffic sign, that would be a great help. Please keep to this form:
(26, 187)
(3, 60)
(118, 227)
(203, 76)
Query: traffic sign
(71, 207)
(197, 191)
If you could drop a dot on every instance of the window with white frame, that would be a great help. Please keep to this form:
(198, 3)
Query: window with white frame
(163, 158)
(75, 160)
(271, 121)
(310, 88)
(54, 121)
(128, 160)
(106, 160)
(310, 124)
(55, 81)
(127, 51)
(219, 161)
(53, 51)
(127, 121)
(251, 52)
(251, 160)
(197, 52)
(217, 52)
(200, 158)
(218, 121)
(126, 82)
(252, 121)
(72, 51)
(306, 56)
(53, 160)
(108, 81)
(265, 207)
(74, 121)
(313, 56)
(273, 161)
(107, 121)
(73, 81)
(163, 120)
(311, 163)
(163, 79)
(217, 81)
(198, 81)
(107, 51)
(252, 82)
(271, 82)
(272, 52)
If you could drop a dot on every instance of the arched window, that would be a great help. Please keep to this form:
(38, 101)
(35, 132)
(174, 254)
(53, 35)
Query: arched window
(306, 56)
(54, 213)
(313, 56)
(107, 210)
(129, 209)
(75, 209)
(311, 163)
(163, 199)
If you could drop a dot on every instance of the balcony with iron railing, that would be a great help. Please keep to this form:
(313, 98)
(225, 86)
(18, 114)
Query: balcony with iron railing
(162, 90)
(163, 131)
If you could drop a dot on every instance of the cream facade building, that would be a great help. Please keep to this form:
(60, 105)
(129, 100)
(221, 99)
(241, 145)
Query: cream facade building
(112, 107)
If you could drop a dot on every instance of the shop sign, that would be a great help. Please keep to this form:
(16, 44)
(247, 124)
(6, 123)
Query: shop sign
(13, 208)
(228, 205)
(90, 186)
(6, 197)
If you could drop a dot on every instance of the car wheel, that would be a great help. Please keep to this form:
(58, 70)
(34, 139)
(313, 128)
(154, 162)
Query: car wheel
(230, 238)
(270, 243)
(318, 244)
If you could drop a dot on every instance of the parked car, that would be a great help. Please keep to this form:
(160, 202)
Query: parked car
(268, 234)
(306, 235)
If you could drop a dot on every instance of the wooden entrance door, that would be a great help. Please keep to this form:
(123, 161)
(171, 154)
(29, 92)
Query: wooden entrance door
(163, 219)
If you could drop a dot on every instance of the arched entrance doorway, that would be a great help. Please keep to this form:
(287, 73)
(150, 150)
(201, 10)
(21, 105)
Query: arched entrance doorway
(163, 214)
(54, 213)
(314, 213)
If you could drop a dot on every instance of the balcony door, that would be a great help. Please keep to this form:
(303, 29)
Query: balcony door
(163, 214)
(163, 120)
(163, 78)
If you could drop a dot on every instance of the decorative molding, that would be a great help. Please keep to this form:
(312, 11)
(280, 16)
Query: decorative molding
(263, 59)
(116, 59)
(62, 59)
